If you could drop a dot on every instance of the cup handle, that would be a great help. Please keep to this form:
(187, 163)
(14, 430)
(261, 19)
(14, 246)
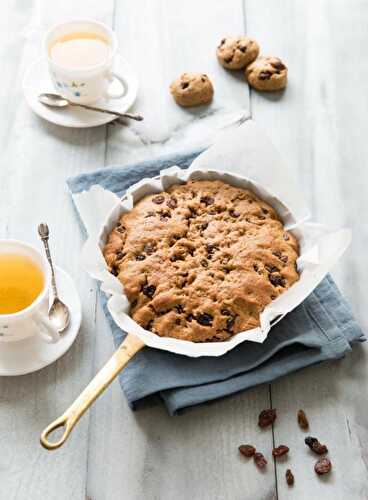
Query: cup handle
(123, 83)
(45, 329)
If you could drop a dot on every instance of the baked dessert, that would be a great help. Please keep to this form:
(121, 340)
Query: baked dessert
(192, 89)
(267, 73)
(237, 52)
(201, 260)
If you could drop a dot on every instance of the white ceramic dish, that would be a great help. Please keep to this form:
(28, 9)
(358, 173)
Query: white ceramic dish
(37, 80)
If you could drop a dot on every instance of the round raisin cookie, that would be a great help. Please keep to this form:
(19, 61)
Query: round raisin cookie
(201, 260)
(237, 52)
(192, 89)
(267, 73)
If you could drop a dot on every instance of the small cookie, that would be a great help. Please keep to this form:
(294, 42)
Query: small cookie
(267, 73)
(237, 52)
(192, 89)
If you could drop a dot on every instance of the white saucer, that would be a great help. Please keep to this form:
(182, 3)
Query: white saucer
(31, 354)
(37, 80)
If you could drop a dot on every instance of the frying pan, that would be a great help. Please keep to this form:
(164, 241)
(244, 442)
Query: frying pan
(137, 337)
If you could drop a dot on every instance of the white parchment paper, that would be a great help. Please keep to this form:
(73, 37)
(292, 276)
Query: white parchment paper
(244, 158)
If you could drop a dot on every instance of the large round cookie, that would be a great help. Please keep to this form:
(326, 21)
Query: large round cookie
(237, 52)
(202, 260)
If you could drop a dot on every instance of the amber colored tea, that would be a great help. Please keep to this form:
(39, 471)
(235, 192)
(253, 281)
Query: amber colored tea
(80, 50)
(21, 282)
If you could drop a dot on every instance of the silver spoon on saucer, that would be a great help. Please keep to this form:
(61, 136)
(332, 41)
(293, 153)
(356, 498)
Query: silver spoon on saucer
(58, 101)
(58, 313)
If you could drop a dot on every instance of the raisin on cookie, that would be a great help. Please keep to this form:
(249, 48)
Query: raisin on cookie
(192, 89)
(237, 52)
(267, 73)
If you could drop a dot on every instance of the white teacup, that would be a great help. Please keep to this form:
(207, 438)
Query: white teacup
(84, 84)
(33, 319)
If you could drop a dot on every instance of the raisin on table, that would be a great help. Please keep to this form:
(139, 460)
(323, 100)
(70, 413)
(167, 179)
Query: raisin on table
(267, 417)
(260, 460)
(315, 445)
(280, 450)
(323, 466)
(247, 450)
(289, 477)
(302, 420)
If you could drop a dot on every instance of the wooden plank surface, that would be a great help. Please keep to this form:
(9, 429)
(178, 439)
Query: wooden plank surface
(36, 159)
(319, 124)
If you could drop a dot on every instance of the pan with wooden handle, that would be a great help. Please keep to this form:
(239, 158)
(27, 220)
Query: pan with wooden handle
(129, 347)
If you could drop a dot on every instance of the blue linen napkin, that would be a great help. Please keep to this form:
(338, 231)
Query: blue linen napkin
(321, 328)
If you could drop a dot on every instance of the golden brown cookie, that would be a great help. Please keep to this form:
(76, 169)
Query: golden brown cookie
(267, 73)
(237, 52)
(192, 89)
(201, 260)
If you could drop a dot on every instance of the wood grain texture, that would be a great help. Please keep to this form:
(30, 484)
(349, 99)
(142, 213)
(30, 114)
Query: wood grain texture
(320, 123)
(36, 160)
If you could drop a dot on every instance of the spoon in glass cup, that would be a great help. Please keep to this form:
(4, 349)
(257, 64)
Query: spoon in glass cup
(58, 101)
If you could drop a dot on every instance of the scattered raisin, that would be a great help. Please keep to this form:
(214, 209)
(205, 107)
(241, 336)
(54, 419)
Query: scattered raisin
(158, 199)
(289, 477)
(267, 417)
(149, 290)
(190, 317)
(280, 450)
(260, 460)
(179, 308)
(284, 258)
(323, 466)
(243, 48)
(140, 257)
(277, 280)
(228, 59)
(234, 213)
(205, 319)
(184, 85)
(120, 255)
(225, 312)
(207, 200)
(120, 229)
(302, 420)
(315, 445)
(172, 202)
(204, 263)
(247, 450)
(204, 226)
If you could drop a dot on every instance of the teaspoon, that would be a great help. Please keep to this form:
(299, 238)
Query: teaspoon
(58, 313)
(58, 101)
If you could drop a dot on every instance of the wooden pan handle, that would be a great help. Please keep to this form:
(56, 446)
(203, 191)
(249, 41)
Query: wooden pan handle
(129, 347)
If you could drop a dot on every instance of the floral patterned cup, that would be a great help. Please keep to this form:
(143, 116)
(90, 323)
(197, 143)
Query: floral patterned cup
(84, 85)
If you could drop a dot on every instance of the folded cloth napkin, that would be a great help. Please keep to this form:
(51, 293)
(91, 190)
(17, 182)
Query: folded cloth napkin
(321, 328)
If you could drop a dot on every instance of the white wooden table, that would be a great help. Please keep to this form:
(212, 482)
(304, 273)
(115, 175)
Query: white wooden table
(320, 127)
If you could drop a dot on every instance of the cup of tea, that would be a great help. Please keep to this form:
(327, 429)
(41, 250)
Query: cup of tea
(25, 280)
(80, 57)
